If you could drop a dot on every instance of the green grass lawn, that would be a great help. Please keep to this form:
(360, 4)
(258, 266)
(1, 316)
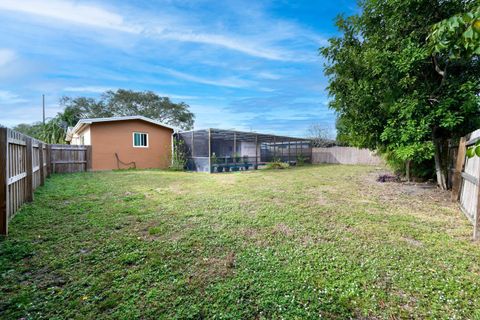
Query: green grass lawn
(309, 242)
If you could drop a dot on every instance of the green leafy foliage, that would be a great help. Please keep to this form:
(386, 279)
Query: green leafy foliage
(474, 150)
(214, 158)
(277, 164)
(237, 157)
(111, 103)
(301, 160)
(130, 103)
(179, 156)
(458, 35)
(54, 130)
(389, 92)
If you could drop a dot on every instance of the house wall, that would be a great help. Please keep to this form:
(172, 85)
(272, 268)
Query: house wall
(108, 138)
(77, 138)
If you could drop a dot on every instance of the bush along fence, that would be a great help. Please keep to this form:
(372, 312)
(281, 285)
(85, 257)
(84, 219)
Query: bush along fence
(25, 163)
(466, 182)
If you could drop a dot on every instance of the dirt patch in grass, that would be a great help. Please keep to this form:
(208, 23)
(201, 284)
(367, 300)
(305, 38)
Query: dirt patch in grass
(283, 229)
(210, 269)
(413, 242)
(416, 197)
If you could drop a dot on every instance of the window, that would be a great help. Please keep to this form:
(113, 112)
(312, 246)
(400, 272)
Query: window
(82, 140)
(140, 140)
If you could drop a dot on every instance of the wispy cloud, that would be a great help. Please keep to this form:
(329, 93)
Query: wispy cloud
(177, 96)
(268, 75)
(230, 82)
(70, 11)
(248, 46)
(6, 56)
(94, 16)
(7, 97)
(92, 89)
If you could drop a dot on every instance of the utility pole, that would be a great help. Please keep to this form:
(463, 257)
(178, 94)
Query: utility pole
(43, 104)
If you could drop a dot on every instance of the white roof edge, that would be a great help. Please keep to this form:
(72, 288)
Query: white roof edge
(82, 122)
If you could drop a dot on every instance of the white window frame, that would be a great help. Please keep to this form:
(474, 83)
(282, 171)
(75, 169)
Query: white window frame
(133, 139)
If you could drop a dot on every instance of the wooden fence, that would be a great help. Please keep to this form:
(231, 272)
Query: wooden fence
(25, 163)
(345, 155)
(465, 184)
(66, 158)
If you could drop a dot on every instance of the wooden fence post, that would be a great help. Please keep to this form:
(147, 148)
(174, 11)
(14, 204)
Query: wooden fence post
(88, 158)
(29, 169)
(3, 181)
(457, 179)
(49, 161)
(40, 161)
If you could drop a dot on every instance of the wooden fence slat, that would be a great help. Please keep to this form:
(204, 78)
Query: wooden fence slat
(70, 148)
(49, 160)
(470, 178)
(16, 178)
(29, 168)
(476, 222)
(4, 153)
(69, 161)
(40, 159)
(16, 141)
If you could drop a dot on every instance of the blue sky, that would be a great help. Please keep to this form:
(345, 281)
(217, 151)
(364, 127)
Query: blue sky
(248, 65)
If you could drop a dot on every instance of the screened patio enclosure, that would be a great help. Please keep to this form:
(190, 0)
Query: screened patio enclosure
(217, 150)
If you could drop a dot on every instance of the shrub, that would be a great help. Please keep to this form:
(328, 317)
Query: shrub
(179, 156)
(277, 164)
(214, 158)
(301, 160)
(236, 156)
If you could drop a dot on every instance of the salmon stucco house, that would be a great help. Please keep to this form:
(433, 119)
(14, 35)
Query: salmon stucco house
(123, 142)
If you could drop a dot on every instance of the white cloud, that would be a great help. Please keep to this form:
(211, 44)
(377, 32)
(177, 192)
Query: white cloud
(176, 28)
(230, 82)
(72, 12)
(177, 96)
(6, 56)
(268, 75)
(92, 89)
(247, 46)
(7, 97)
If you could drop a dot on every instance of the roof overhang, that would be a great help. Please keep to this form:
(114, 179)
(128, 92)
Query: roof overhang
(81, 124)
(245, 136)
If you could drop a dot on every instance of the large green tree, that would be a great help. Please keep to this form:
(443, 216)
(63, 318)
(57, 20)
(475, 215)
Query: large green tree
(129, 103)
(110, 104)
(391, 90)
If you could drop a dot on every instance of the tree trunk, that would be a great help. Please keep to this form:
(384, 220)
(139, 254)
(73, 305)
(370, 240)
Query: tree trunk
(407, 169)
(440, 164)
